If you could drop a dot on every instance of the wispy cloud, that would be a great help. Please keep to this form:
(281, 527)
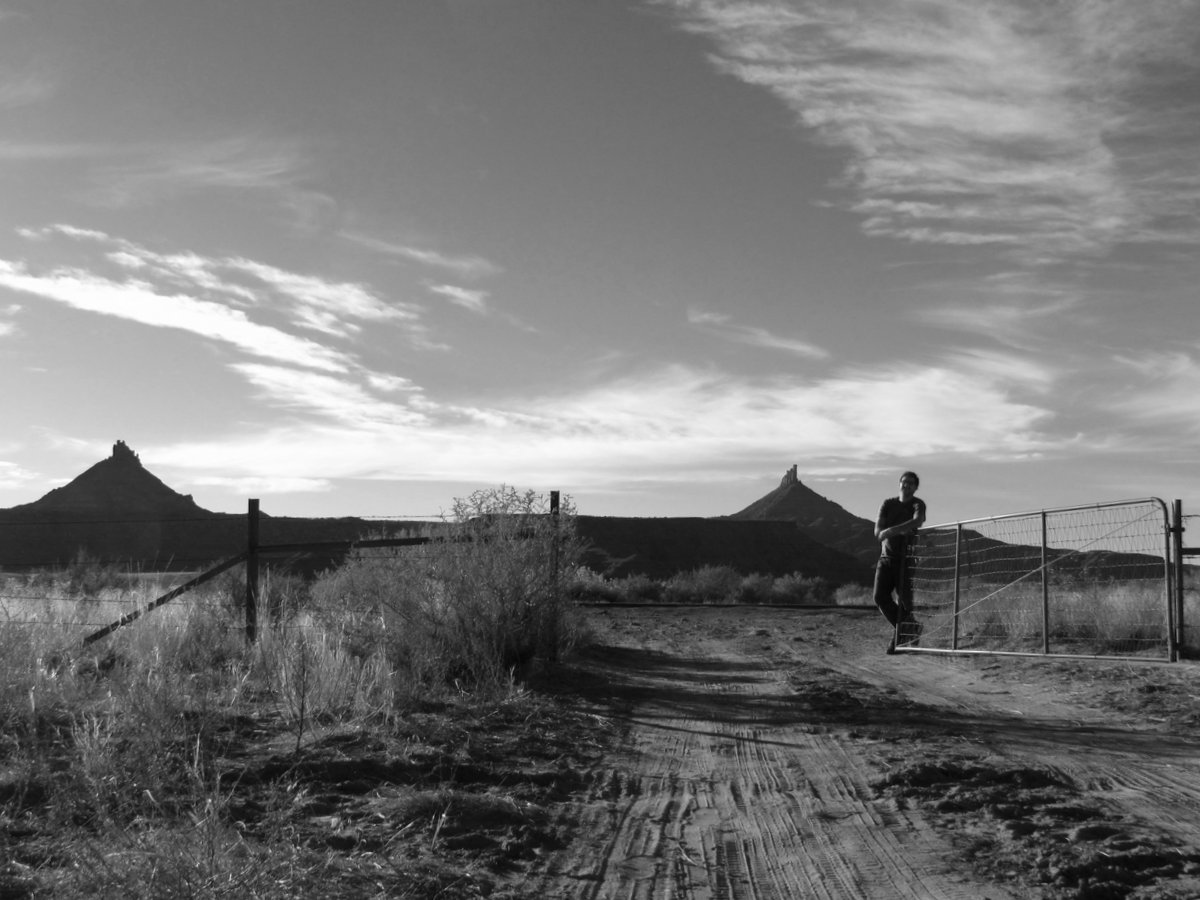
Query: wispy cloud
(474, 300)
(30, 151)
(231, 301)
(1020, 324)
(330, 398)
(661, 425)
(721, 325)
(1012, 371)
(329, 307)
(24, 90)
(244, 163)
(463, 265)
(15, 476)
(1160, 389)
(8, 327)
(1049, 132)
(140, 302)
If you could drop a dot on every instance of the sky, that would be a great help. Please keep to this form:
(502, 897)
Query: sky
(363, 258)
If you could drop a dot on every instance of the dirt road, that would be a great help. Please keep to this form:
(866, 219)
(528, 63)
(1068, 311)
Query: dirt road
(776, 753)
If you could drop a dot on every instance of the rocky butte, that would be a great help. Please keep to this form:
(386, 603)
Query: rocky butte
(817, 518)
(115, 488)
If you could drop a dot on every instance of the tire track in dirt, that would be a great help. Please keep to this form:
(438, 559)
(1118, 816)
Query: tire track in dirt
(728, 789)
(1149, 775)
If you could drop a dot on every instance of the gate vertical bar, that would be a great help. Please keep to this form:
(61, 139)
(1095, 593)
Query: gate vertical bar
(252, 572)
(1175, 633)
(957, 559)
(1045, 590)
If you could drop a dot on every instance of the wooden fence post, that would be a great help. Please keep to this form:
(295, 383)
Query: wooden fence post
(552, 628)
(252, 572)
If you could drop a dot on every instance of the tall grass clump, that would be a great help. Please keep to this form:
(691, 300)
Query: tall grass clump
(1084, 615)
(484, 597)
(112, 754)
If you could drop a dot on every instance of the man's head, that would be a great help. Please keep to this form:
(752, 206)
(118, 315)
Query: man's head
(909, 482)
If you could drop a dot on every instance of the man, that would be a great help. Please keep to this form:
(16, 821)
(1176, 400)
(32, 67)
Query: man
(898, 520)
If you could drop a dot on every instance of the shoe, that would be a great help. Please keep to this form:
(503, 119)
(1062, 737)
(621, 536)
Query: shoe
(891, 647)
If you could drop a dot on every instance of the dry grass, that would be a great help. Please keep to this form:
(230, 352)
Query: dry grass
(115, 759)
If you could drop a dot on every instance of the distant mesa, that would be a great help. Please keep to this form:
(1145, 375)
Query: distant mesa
(791, 529)
(115, 488)
(817, 518)
(119, 512)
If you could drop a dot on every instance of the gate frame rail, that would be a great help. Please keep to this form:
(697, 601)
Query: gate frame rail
(1173, 555)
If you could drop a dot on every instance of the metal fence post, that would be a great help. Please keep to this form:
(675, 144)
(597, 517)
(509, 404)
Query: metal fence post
(1175, 628)
(252, 572)
(1045, 589)
(957, 584)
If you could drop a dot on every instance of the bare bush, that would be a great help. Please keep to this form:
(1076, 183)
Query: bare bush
(479, 601)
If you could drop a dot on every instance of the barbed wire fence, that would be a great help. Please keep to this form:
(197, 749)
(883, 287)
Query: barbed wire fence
(91, 596)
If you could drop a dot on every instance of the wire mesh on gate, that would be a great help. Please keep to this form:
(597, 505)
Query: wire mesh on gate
(1080, 581)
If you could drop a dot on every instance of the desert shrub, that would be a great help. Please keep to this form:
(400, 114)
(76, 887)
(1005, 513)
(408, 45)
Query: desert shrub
(478, 601)
(756, 588)
(852, 595)
(205, 642)
(281, 593)
(707, 584)
(585, 586)
(802, 589)
(639, 589)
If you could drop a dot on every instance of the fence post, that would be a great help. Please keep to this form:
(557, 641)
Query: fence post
(550, 638)
(252, 572)
(1045, 588)
(1176, 638)
(957, 583)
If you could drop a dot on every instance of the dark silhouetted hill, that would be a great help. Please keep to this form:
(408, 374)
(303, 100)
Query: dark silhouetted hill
(118, 511)
(660, 548)
(818, 519)
(119, 484)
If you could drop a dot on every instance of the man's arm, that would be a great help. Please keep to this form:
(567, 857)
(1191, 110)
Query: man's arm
(881, 529)
(908, 527)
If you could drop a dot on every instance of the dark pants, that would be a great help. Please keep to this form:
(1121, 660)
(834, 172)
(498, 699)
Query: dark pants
(891, 577)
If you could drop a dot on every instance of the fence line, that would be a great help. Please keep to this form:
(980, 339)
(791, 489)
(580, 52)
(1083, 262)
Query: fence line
(254, 551)
(165, 598)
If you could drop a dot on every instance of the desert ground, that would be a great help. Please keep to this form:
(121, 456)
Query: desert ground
(740, 753)
(781, 753)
